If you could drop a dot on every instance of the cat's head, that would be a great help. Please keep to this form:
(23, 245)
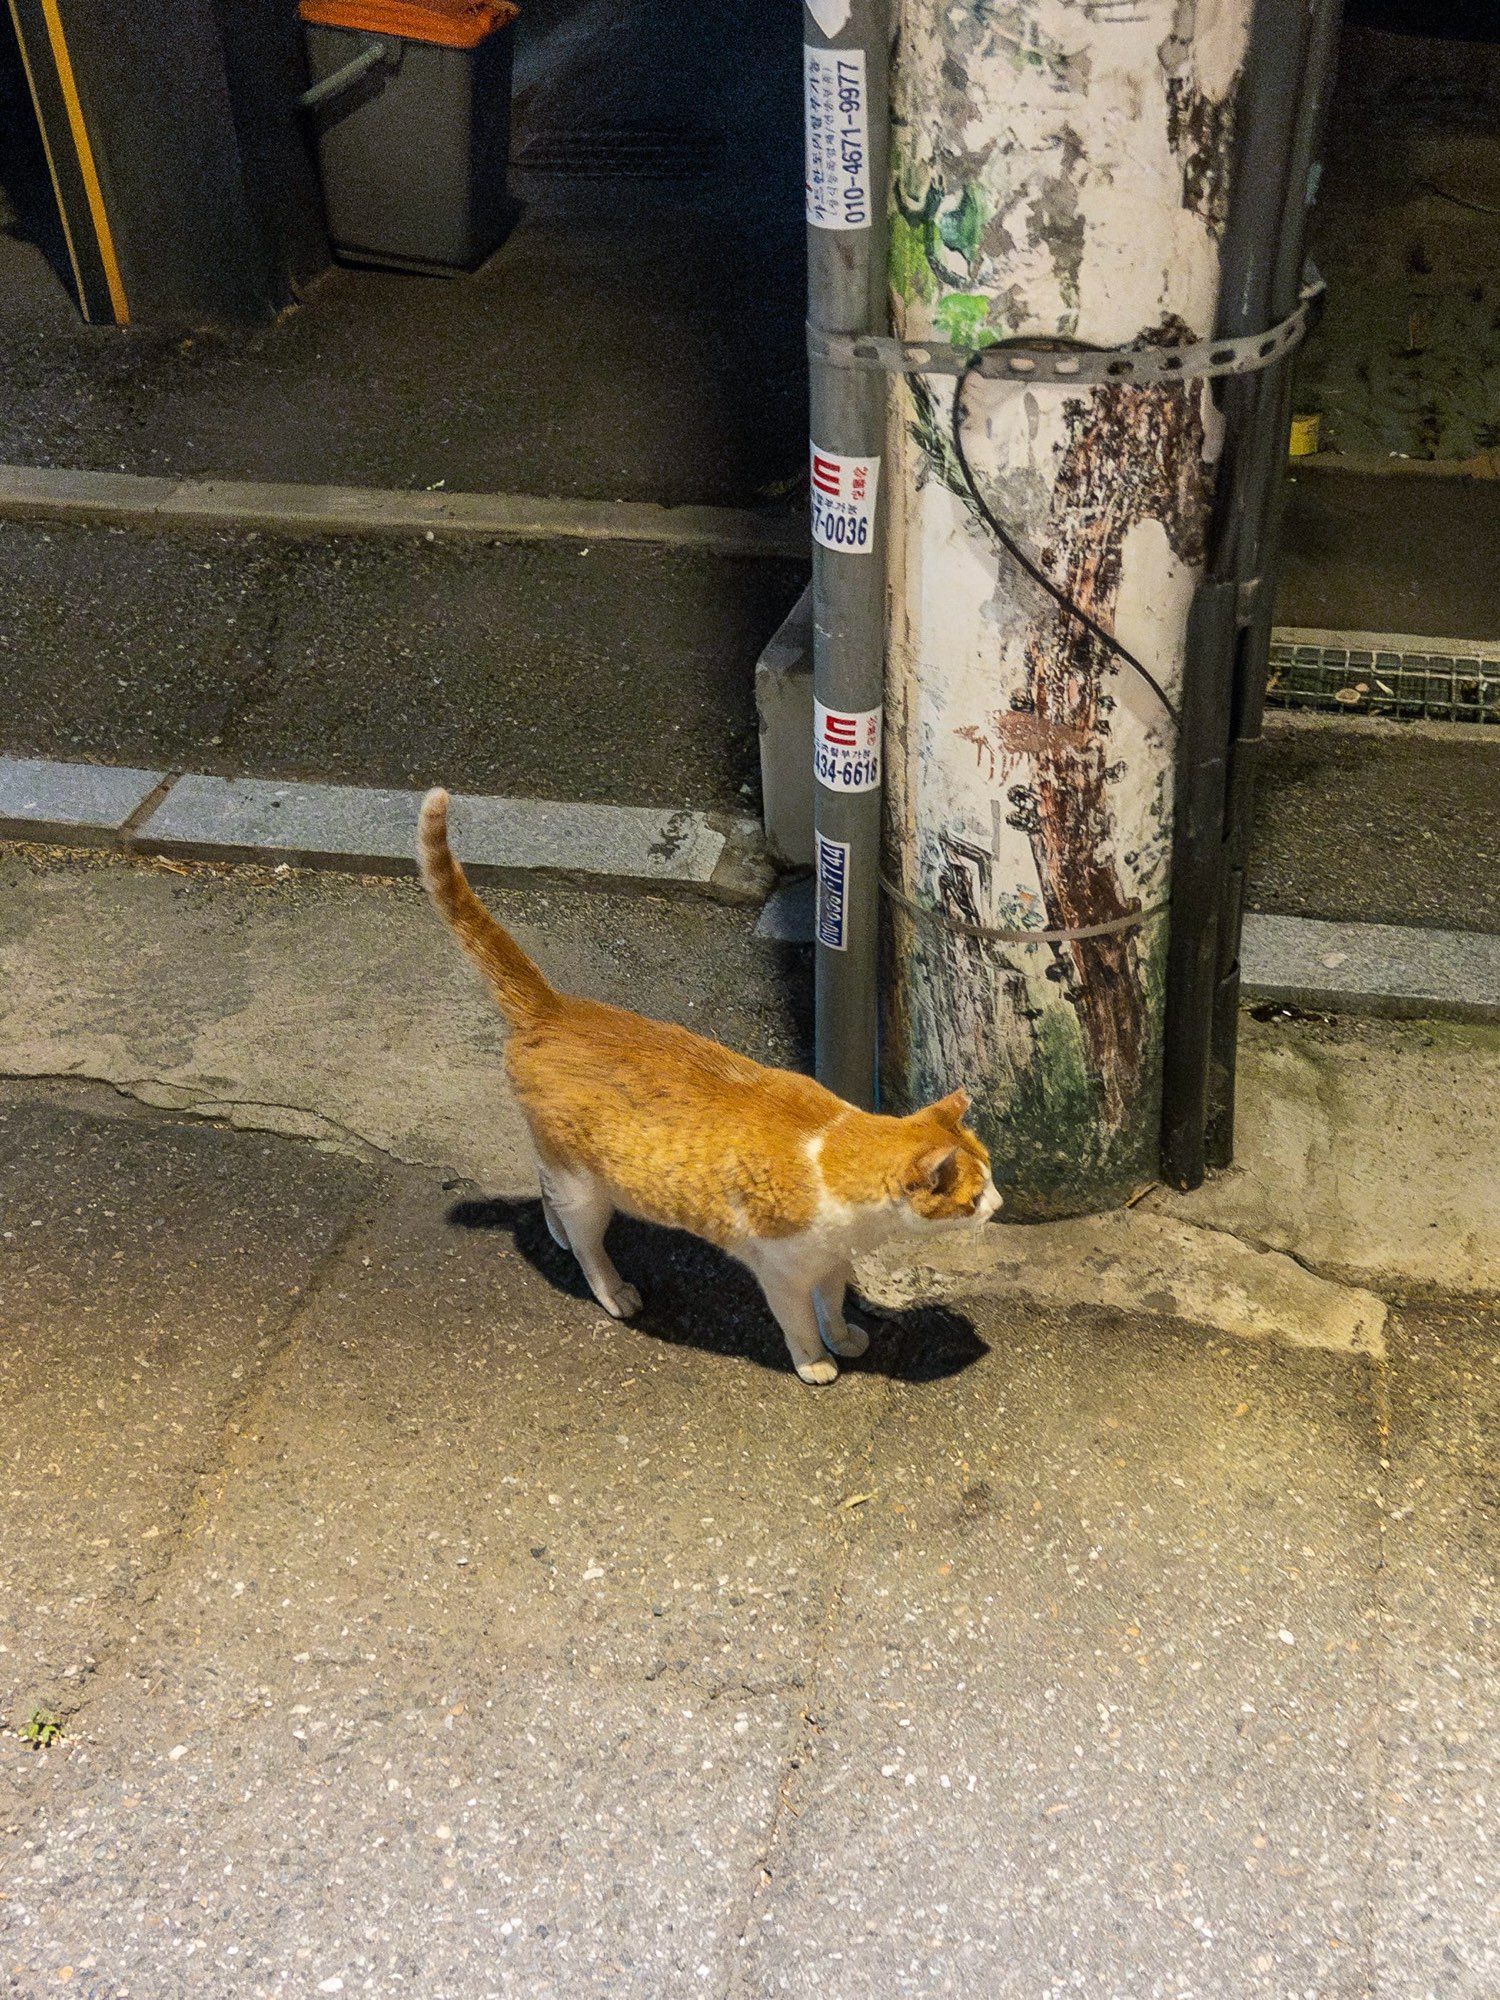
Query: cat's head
(947, 1177)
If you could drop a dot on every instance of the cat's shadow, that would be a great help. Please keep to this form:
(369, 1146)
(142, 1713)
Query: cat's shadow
(695, 1296)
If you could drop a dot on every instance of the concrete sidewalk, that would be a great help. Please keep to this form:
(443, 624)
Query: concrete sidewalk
(1119, 1625)
(335, 1009)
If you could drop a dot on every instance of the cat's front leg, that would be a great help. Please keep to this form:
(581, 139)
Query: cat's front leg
(828, 1297)
(790, 1297)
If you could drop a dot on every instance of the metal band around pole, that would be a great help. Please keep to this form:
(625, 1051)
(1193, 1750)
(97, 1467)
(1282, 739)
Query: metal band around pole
(1025, 359)
(928, 914)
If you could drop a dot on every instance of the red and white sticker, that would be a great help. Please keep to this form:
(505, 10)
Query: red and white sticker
(843, 501)
(846, 748)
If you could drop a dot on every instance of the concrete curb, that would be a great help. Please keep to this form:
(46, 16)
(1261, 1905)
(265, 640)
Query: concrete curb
(1338, 968)
(1426, 643)
(1392, 465)
(360, 829)
(125, 499)
(1392, 970)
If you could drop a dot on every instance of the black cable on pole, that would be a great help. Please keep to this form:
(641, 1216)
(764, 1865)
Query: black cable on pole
(1018, 555)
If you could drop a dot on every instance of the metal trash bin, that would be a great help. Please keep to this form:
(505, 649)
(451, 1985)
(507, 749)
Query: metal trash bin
(411, 103)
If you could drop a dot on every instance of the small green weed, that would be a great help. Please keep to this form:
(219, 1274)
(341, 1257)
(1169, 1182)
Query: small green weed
(43, 1730)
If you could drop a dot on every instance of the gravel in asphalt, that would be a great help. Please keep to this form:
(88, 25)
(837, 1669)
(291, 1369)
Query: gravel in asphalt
(615, 674)
(621, 674)
(441, 1637)
(1379, 824)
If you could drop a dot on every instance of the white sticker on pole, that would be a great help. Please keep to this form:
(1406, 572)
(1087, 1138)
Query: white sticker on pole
(838, 138)
(830, 15)
(833, 894)
(846, 748)
(843, 501)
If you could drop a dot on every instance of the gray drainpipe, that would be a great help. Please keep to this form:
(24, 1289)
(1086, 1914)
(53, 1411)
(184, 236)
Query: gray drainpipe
(847, 46)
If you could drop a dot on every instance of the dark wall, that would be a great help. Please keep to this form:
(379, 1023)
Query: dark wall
(265, 69)
(28, 206)
(210, 193)
(1456, 20)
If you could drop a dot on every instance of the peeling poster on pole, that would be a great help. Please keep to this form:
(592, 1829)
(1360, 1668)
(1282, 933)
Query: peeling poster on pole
(838, 138)
(830, 15)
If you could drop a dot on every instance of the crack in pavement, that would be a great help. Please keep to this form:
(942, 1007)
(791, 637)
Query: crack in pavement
(333, 1135)
(134, 1598)
(805, 1735)
(180, 1098)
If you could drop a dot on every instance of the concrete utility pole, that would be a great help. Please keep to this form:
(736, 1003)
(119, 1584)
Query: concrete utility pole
(1060, 171)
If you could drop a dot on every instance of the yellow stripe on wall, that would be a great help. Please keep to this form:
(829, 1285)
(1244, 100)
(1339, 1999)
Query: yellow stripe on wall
(68, 84)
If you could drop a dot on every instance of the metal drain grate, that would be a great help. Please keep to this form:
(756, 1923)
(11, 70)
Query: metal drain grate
(622, 152)
(1368, 673)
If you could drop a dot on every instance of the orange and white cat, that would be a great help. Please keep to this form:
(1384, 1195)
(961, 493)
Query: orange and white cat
(633, 1114)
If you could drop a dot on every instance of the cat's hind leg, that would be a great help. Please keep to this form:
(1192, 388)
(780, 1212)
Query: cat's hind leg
(546, 1172)
(576, 1203)
(828, 1297)
(553, 1221)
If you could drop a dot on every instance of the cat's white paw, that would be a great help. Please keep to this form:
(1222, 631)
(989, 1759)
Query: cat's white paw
(818, 1372)
(848, 1341)
(623, 1301)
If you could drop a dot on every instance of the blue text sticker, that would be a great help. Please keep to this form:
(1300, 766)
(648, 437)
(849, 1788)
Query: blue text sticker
(833, 893)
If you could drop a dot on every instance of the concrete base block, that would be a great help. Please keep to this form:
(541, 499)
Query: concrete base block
(1136, 1262)
(790, 913)
(784, 705)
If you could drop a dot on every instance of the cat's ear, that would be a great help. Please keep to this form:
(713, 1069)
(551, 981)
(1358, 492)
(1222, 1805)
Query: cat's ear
(937, 1169)
(951, 1109)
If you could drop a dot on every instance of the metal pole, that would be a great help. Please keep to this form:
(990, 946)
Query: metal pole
(1265, 116)
(1288, 72)
(1320, 53)
(847, 132)
(1060, 174)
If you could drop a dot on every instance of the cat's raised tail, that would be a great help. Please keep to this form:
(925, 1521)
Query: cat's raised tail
(518, 984)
